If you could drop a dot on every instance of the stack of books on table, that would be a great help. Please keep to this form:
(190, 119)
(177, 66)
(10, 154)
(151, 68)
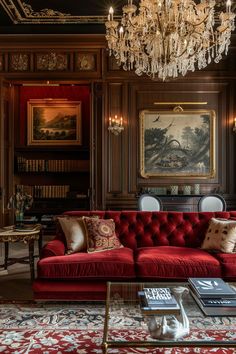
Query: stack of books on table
(48, 223)
(28, 219)
(158, 301)
(213, 296)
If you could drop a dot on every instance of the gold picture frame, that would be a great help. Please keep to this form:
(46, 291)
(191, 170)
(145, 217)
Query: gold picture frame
(53, 122)
(177, 143)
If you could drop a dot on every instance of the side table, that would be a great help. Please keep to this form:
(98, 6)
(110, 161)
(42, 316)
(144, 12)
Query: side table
(25, 236)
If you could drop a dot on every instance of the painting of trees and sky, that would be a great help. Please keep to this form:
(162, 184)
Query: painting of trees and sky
(52, 123)
(177, 144)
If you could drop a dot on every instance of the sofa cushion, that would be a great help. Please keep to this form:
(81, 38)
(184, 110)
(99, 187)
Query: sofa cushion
(101, 235)
(170, 262)
(74, 231)
(220, 235)
(228, 264)
(113, 264)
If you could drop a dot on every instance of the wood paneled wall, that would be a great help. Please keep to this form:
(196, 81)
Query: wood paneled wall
(216, 85)
(123, 153)
(115, 178)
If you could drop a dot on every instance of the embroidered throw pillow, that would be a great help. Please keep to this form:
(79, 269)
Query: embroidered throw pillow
(101, 235)
(221, 236)
(75, 234)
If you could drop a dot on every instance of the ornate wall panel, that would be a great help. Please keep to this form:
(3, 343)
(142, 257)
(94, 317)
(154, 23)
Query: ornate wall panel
(19, 62)
(85, 62)
(52, 61)
(80, 59)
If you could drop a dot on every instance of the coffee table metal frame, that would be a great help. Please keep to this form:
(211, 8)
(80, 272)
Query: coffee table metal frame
(154, 343)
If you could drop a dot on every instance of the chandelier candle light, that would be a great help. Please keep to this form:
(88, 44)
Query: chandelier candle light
(165, 38)
(115, 125)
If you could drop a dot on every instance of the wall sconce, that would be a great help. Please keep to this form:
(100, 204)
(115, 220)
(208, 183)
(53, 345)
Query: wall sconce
(116, 125)
(234, 127)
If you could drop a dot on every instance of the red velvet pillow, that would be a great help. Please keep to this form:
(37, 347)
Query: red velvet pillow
(101, 235)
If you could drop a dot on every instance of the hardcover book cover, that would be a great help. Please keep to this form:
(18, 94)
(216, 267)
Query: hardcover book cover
(218, 310)
(211, 288)
(157, 309)
(159, 297)
(221, 302)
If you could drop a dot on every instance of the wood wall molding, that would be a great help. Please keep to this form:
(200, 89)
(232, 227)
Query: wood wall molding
(141, 96)
(115, 143)
(49, 41)
(115, 159)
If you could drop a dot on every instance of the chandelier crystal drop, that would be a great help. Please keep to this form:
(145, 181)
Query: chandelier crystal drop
(165, 38)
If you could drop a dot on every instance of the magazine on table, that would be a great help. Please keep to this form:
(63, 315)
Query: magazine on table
(211, 288)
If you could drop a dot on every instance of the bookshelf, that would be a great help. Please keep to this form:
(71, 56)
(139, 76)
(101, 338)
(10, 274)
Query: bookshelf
(58, 180)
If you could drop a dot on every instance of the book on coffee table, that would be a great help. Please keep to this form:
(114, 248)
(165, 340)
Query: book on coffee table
(211, 288)
(161, 307)
(221, 302)
(216, 306)
(159, 297)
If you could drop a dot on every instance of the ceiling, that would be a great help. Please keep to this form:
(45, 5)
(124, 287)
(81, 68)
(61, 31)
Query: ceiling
(56, 16)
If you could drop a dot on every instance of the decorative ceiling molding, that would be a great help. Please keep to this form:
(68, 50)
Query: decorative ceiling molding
(21, 12)
(28, 12)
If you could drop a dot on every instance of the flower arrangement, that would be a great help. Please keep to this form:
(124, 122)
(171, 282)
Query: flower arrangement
(20, 201)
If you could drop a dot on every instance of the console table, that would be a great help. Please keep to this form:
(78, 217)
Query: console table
(180, 202)
(25, 236)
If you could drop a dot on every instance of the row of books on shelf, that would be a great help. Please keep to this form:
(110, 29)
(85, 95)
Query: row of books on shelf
(40, 165)
(214, 296)
(46, 191)
(32, 219)
(47, 221)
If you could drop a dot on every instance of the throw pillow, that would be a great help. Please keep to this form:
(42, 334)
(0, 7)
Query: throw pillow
(101, 235)
(221, 235)
(75, 234)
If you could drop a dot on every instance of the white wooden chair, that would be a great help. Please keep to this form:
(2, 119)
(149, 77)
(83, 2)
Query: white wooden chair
(212, 202)
(148, 202)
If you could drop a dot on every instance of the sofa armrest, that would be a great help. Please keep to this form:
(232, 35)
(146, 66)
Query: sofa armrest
(53, 248)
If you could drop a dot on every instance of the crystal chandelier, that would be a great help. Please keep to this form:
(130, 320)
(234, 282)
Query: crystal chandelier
(165, 38)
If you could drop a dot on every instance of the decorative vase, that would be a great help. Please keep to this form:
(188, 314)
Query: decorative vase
(174, 190)
(196, 188)
(186, 190)
(19, 218)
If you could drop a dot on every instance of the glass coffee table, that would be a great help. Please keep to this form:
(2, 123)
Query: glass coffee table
(128, 326)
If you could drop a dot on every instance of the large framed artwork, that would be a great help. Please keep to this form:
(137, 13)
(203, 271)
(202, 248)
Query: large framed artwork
(177, 143)
(54, 122)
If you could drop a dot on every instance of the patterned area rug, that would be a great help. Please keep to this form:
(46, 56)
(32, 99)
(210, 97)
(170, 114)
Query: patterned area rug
(54, 328)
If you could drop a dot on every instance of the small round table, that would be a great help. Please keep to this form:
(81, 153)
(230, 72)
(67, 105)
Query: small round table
(25, 236)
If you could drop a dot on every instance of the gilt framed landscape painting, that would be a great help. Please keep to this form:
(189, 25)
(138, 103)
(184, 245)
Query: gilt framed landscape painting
(177, 144)
(53, 122)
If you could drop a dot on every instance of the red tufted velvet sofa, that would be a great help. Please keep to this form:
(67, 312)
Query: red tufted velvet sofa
(158, 246)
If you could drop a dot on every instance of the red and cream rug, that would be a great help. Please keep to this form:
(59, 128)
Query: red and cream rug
(60, 328)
